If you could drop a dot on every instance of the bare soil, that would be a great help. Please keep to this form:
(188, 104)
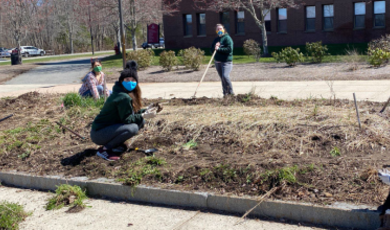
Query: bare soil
(243, 145)
(9, 72)
(263, 72)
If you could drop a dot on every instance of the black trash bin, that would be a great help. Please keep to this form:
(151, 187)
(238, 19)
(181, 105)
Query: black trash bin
(15, 60)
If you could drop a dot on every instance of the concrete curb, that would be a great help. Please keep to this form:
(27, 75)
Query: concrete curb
(336, 217)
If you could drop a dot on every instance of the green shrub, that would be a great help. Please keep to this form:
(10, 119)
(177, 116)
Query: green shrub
(74, 99)
(11, 214)
(192, 57)
(377, 57)
(316, 50)
(168, 59)
(252, 48)
(144, 58)
(382, 43)
(289, 55)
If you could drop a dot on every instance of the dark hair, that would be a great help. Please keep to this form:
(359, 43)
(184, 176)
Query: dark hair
(93, 61)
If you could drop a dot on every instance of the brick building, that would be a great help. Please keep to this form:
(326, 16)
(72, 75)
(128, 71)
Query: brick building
(329, 21)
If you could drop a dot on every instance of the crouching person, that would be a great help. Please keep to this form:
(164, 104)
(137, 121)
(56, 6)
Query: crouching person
(121, 116)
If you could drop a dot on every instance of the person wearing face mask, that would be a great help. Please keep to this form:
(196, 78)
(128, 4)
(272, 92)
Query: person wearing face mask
(94, 81)
(121, 116)
(223, 59)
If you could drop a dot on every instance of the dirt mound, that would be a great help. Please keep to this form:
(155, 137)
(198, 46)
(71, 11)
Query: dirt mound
(241, 145)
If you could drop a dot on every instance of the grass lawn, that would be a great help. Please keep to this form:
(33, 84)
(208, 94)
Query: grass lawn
(116, 61)
(57, 58)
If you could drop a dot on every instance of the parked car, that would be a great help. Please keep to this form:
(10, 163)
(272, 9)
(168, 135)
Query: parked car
(161, 44)
(31, 51)
(146, 45)
(6, 53)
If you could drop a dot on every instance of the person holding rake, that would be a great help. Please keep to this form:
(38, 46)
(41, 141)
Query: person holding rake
(223, 46)
(121, 116)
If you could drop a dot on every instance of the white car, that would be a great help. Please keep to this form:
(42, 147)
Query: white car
(6, 53)
(31, 51)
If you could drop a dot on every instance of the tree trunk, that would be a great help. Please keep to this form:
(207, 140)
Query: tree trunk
(134, 38)
(265, 39)
(70, 38)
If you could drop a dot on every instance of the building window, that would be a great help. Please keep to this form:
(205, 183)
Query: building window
(282, 20)
(187, 24)
(310, 18)
(267, 20)
(328, 17)
(225, 20)
(379, 13)
(240, 22)
(201, 24)
(360, 14)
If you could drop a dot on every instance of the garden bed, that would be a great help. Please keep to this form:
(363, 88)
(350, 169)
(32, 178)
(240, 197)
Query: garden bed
(243, 145)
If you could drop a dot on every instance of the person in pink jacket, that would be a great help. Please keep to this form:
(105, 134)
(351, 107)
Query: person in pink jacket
(94, 82)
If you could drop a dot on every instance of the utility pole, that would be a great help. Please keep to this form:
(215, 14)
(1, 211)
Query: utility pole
(122, 34)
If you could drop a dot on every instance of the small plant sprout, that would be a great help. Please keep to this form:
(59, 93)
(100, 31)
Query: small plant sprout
(189, 145)
(335, 152)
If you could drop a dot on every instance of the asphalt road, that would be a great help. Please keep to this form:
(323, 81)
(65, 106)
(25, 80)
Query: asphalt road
(54, 73)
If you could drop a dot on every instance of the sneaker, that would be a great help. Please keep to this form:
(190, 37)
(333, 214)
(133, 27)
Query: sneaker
(120, 149)
(107, 155)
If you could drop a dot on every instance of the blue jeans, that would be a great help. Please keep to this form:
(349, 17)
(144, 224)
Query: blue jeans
(224, 69)
(99, 88)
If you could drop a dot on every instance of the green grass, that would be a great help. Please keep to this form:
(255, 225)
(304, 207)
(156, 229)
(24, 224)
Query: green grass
(116, 61)
(74, 99)
(144, 167)
(56, 58)
(11, 214)
(66, 195)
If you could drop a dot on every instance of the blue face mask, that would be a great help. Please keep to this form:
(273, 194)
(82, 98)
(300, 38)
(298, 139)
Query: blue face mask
(129, 85)
(220, 33)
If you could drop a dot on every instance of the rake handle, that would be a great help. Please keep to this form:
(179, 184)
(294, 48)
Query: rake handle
(70, 130)
(204, 74)
(5, 118)
(384, 107)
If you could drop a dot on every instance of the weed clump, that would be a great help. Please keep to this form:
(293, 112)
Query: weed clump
(142, 168)
(67, 195)
(11, 214)
(74, 99)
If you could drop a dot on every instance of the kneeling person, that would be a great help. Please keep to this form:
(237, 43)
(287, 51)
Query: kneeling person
(121, 116)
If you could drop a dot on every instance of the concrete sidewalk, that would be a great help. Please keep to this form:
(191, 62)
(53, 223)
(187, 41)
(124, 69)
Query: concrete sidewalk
(287, 90)
(105, 214)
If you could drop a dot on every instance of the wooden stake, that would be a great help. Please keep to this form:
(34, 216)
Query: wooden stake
(357, 111)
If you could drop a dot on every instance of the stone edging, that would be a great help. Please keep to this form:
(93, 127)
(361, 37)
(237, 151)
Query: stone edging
(335, 217)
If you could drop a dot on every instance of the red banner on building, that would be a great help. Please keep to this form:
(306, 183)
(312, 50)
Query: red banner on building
(153, 33)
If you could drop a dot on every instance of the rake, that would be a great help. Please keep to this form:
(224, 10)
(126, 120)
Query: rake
(204, 74)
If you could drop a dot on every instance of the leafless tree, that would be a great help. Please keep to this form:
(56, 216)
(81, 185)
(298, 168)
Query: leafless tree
(250, 6)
